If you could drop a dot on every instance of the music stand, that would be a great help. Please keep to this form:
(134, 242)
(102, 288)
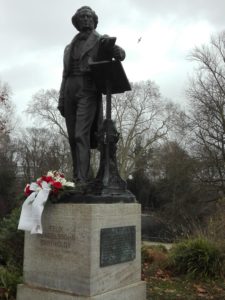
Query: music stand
(110, 78)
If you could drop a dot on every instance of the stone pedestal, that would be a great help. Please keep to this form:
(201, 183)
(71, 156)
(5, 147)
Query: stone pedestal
(87, 251)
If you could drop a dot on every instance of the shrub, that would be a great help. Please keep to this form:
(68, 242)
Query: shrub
(11, 242)
(8, 283)
(11, 255)
(197, 258)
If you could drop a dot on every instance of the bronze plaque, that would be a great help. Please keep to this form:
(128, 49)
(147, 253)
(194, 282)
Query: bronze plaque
(117, 245)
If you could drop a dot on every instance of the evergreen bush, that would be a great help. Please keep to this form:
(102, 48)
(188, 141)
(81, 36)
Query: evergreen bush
(198, 258)
(11, 255)
(11, 241)
(8, 283)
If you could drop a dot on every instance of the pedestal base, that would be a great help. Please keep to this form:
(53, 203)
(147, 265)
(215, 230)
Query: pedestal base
(86, 251)
(135, 291)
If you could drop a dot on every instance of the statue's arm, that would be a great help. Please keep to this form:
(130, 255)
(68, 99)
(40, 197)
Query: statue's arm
(116, 51)
(61, 95)
(62, 88)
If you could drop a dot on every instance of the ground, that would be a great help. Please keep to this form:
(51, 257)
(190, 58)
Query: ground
(162, 284)
(171, 288)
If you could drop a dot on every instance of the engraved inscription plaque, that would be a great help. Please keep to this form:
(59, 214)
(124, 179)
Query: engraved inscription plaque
(57, 237)
(117, 245)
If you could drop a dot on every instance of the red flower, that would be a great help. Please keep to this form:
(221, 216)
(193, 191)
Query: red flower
(27, 190)
(48, 179)
(39, 181)
(56, 184)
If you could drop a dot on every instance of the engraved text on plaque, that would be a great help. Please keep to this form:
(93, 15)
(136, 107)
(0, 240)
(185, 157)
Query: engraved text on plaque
(117, 245)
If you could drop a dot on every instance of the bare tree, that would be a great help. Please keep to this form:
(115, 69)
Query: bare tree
(206, 93)
(141, 117)
(6, 109)
(43, 106)
(7, 151)
(41, 150)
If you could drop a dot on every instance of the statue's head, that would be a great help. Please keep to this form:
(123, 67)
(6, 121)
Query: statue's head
(85, 19)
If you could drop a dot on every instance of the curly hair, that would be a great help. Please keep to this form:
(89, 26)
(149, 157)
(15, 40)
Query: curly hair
(75, 17)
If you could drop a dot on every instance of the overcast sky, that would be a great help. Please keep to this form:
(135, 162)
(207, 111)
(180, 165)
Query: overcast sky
(34, 33)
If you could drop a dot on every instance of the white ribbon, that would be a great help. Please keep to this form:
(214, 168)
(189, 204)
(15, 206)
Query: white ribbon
(32, 209)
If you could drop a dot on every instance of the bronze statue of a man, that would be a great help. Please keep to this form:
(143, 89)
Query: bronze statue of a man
(80, 101)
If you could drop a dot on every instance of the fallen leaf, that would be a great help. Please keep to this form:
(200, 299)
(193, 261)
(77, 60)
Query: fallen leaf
(162, 274)
(218, 289)
(202, 296)
(199, 289)
(170, 291)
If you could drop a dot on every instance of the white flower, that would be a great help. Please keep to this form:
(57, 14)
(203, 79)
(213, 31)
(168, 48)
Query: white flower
(50, 173)
(62, 180)
(69, 184)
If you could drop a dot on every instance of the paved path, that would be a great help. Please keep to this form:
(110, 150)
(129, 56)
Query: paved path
(167, 245)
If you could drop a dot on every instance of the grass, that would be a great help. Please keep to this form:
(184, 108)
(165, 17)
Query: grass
(184, 289)
(163, 283)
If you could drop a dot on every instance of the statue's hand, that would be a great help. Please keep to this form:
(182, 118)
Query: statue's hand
(118, 53)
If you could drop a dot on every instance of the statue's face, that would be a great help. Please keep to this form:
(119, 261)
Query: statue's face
(85, 20)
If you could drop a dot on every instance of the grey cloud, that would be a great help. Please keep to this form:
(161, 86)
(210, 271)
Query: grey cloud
(36, 24)
(27, 26)
(213, 11)
(39, 24)
(29, 75)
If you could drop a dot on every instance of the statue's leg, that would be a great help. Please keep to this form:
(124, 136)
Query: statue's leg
(70, 124)
(71, 90)
(85, 114)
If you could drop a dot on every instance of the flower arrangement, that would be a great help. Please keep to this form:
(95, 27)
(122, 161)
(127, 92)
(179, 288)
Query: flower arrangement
(37, 193)
(55, 180)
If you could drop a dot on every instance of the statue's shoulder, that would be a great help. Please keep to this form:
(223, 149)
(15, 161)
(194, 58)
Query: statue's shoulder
(98, 35)
(104, 36)
(67, 48)
(95, 33)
